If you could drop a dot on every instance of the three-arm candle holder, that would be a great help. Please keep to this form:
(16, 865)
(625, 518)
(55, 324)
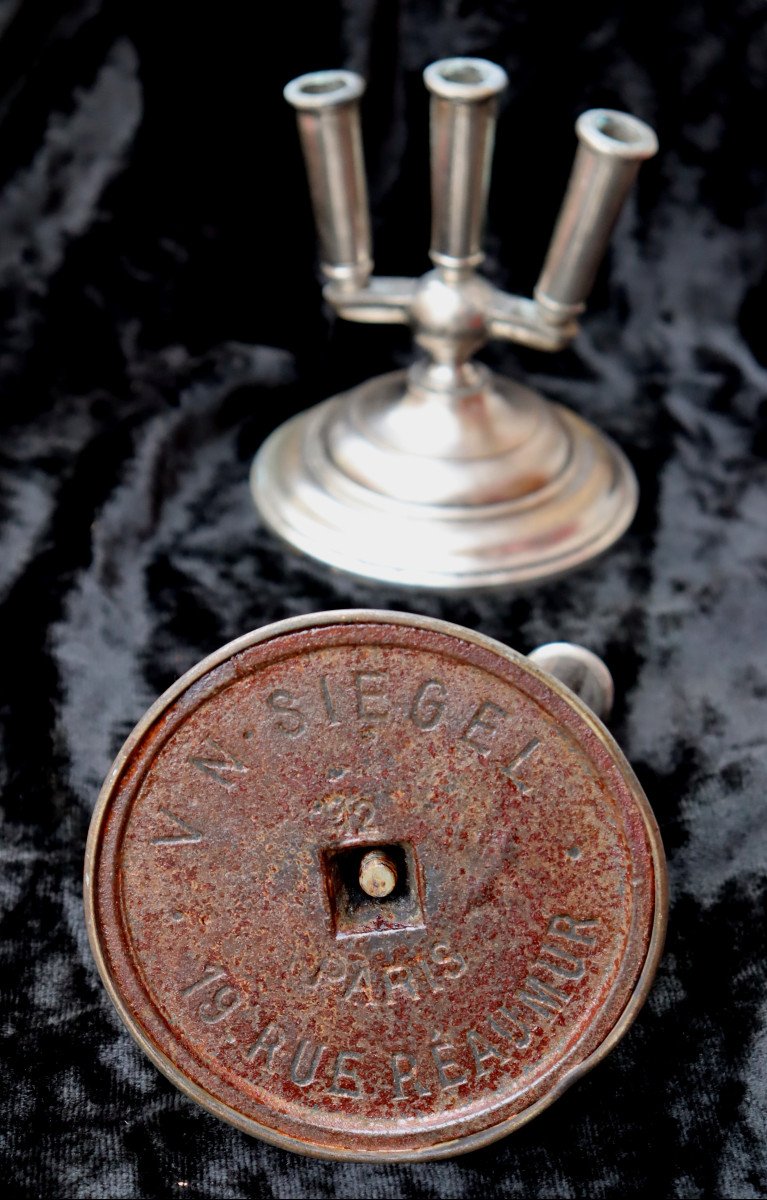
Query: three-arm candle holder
(448, 475)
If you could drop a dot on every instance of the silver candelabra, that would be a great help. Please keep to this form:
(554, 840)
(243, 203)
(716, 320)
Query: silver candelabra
(448, 475)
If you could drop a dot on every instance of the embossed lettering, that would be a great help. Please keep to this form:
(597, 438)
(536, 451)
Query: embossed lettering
(510, 770)
(211, 974)
(363, 812)
(429, 704)
(574, 931)
(430, 977)
(453, 963)
(290, 719)
(372, 704)
(328, 701)
(189, 837)
(403, 1069)
(332, 808)
(546, 1000)
(444, 1062)
(398, 976)
(306, 1061)
(330, 970)
(225, 1000)
(483, 726)
(344, 1075)
(520, 1042)
(365, 982)
(361, 983)
(267, 1043)
(542, 997)
(566, 964)
(340, 810)
(483, 1051)
(219, 764)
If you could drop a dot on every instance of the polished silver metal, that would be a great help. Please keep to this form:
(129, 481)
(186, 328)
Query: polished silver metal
(448, 475)
(612, 147)
(463, 110)
(327, 104)
(580, 670)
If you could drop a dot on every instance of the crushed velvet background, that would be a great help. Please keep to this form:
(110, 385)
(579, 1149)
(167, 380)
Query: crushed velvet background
(159, 314)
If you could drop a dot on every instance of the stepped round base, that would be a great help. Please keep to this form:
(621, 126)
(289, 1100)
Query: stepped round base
(495, 487)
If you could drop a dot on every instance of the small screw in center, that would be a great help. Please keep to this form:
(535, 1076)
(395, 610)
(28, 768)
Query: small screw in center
(378, 874)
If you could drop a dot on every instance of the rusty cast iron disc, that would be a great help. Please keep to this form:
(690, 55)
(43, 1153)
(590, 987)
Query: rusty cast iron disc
(228, 922)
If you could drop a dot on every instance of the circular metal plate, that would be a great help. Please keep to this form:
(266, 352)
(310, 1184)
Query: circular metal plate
(227, 920)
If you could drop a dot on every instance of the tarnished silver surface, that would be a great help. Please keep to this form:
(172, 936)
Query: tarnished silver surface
(581, 670)
(447, 475)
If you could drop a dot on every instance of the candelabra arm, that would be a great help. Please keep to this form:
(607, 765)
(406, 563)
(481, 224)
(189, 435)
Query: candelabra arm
(392, 300)
(526, 322)
(384, 300)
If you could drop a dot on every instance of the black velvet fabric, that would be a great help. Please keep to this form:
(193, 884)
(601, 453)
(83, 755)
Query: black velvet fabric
(160, 313)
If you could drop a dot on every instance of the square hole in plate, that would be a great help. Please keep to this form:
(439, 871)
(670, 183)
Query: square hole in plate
(354, 911)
